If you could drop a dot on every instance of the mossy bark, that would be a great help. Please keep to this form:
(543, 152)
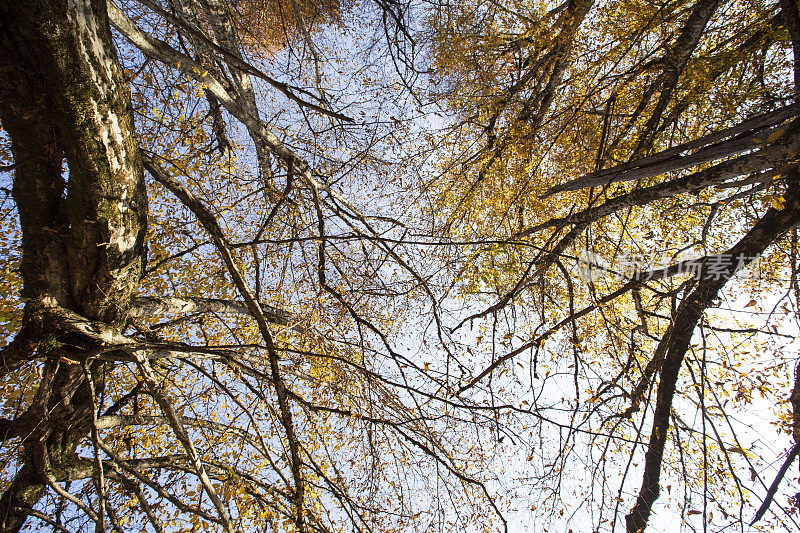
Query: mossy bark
(63, 98)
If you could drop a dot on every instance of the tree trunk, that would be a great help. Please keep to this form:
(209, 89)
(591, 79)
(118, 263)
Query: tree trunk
(63, 97)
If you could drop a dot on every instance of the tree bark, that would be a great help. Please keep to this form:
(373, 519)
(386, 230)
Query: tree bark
(774, 224)
(83, 232)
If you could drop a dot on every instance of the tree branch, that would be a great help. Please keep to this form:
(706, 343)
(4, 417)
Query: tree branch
(150, 305)
(747, 135)
(766, 231)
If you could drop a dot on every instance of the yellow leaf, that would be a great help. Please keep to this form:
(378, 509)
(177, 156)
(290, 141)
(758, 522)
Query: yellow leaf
(778, 202)
(737, 449)
(775, 134)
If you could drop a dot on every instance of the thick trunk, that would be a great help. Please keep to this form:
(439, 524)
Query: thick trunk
(63, 97)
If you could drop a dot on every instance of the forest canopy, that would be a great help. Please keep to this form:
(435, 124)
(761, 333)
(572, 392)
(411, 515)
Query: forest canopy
(284, 265)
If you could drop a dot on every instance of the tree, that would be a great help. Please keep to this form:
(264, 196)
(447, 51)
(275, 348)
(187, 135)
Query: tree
(248, 267)
(83, 254)
(688, 105)
(265, 402)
